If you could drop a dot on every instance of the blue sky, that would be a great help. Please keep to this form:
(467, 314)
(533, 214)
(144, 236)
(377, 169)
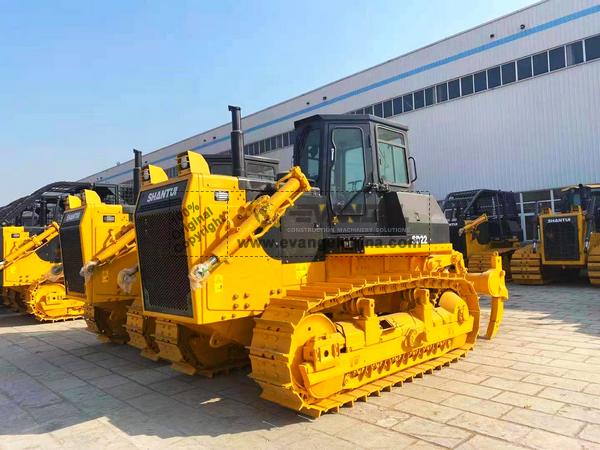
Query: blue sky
(82, 83)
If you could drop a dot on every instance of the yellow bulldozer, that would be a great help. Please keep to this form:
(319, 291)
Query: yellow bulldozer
(564, 242)
(99, 255)
(483, 222)
(102, 235)
(31, 274)
(337, 280)
(31, 278)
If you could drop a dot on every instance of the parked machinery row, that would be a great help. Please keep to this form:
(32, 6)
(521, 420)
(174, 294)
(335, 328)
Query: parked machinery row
(564, 242)
(482, 222)
(30, 254)
(334, 281)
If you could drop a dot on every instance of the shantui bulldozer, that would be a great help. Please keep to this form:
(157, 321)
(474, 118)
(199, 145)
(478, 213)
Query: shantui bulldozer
(98, 244)
(483, 222)
(30, 268)
(104, 235)
(31, 277)
(336, 279)
(568, 241)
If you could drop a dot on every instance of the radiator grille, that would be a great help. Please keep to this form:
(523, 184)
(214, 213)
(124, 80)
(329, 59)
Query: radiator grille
(162, 257)
(561, 241)
(70, 243)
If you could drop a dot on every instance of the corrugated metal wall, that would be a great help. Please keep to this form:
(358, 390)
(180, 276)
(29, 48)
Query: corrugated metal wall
(534, 134)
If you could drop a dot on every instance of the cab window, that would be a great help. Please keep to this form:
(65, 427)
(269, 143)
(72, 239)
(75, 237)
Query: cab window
(451, 214)
(348, 169)
(391, 150)
(221, 169)
(260, 171)
(570, 198)
(310, 158)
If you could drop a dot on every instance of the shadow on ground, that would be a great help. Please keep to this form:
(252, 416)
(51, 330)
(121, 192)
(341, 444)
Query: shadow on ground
(58, 379)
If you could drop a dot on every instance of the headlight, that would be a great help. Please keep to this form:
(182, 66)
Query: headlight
(184, 163)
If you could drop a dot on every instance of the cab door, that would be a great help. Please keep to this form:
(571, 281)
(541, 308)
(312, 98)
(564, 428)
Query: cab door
(351, 196)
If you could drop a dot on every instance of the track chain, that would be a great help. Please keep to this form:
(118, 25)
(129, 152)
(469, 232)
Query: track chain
(482, 261)
(16, 302)
(143, 334)
(593, 265)
(526, 267)
(272, 346)
(41, 307)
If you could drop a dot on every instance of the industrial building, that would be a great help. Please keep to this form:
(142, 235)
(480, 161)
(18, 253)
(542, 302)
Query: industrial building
(513, 104)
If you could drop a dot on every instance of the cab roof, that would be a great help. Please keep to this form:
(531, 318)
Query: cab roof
(591, 186)
(351, 118)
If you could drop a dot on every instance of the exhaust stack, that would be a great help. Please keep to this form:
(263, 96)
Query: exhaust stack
(137, 169)
(43, 216)
(237, 142)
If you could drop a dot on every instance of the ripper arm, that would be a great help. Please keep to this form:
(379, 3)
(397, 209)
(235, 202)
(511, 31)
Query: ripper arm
(32, 244)
(470, 227)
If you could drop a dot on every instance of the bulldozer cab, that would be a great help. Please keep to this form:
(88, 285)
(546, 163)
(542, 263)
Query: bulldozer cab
(574, 199)
(581, 196)
(500, 208)
(358, 163)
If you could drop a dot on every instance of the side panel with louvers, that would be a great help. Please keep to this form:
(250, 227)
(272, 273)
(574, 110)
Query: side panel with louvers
(161, 248)
(1, 258)
(72, 259)
(561, 239)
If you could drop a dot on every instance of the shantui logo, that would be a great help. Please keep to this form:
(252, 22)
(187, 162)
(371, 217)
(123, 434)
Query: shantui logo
(72, 216)
(559, 220)
(160, 195)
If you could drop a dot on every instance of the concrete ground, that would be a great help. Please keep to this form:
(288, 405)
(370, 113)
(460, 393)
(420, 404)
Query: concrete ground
(537, 385)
